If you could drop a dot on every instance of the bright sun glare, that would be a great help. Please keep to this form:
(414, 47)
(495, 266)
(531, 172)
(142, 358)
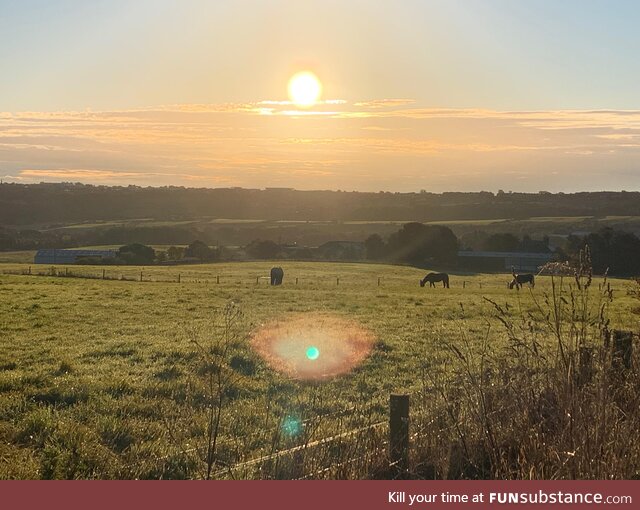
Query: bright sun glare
(304, 89)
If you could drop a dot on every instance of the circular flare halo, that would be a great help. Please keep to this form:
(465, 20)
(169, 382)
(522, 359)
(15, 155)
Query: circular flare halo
(313, 346)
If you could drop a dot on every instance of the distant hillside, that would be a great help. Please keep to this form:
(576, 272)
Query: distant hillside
(51, 204)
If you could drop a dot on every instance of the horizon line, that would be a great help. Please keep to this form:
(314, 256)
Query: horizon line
(282, 188)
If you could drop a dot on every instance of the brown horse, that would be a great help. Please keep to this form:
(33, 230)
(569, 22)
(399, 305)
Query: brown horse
(432, 278)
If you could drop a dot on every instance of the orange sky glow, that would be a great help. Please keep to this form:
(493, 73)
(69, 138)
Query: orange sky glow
(419, 94)
(372, 145)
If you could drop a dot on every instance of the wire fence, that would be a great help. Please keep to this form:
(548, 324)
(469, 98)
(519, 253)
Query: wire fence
(358, 446)
(160, 274)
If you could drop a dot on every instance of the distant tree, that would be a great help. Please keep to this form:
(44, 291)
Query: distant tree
(175, 252)
(91, 261)
(137, 254)
(22, 204)
(263, 249)
(531, 245)
(501, 242)
(625, 254)
(612, 250)
(161, 256)
(304, 254)
(375, 247)
(200, 251)
(417, 243)
(473, 240)
(223, 253)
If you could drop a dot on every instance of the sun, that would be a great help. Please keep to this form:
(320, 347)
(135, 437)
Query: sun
(304, 89)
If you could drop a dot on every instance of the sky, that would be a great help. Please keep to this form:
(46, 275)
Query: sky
(436, 95)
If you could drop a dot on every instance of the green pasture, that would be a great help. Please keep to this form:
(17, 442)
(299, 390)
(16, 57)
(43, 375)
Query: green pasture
(98, 378)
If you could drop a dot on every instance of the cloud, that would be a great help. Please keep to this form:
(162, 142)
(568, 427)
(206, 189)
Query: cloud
(551, 119)
(78, 174)
(333, 145)
(375, 128)
(291, 103)
(620, 136)
(37, 146)
(384, 103)
(94, 175)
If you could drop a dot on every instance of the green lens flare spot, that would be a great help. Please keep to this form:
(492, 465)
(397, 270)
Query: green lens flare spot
(291, 426)
(313, 353)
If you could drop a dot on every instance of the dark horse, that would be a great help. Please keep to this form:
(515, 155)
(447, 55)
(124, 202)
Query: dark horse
(432, 278)
(277, 274)
(520, 279)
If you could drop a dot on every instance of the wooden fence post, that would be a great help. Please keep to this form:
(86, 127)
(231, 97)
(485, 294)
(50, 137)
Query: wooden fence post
(378, 281)
(480, 284)
(298, 465)
(29, 269)
(337, 281)
(622, 346)
(140, 275)
(217, 278)
(399, 432)
(464, 284)
(296, 280)
(103, 273)
(178, 277)
(257, 280)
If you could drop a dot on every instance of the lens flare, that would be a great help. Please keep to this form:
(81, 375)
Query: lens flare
(291, 426)
(293, 344)
(313, 353)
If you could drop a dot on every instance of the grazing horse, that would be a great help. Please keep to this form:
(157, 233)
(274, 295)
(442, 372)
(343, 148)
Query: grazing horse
(277, 274)
(432, 278)
(520, 279)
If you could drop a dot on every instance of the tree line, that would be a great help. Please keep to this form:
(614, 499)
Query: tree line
(615, 251)
(138, 254)
(51, 203)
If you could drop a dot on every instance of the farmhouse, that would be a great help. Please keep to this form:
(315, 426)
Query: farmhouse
(52, 256)
(498, 261)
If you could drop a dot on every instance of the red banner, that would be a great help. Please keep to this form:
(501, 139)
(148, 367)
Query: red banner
(310, 495)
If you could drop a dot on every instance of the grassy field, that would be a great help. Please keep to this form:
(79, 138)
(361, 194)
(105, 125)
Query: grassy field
(523, 223)
(23, 257)
(103, 379)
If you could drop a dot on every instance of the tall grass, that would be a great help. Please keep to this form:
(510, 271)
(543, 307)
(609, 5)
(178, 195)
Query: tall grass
(553, 401)
(556, 403)
(113, 386)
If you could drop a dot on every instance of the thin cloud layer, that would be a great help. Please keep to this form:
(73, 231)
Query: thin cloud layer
(384, 103)
(367, 145)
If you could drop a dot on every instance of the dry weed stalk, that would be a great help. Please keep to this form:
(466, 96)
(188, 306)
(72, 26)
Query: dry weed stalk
(548, 404)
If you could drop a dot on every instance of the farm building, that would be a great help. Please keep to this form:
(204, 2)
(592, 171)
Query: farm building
(498, 261)
(52, 256)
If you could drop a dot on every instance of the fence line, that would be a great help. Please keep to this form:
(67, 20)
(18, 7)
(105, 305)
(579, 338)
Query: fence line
(367, 456)
(290, 451)
(397, 460)
(134, 275)
(373, 445)
(315, 417)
